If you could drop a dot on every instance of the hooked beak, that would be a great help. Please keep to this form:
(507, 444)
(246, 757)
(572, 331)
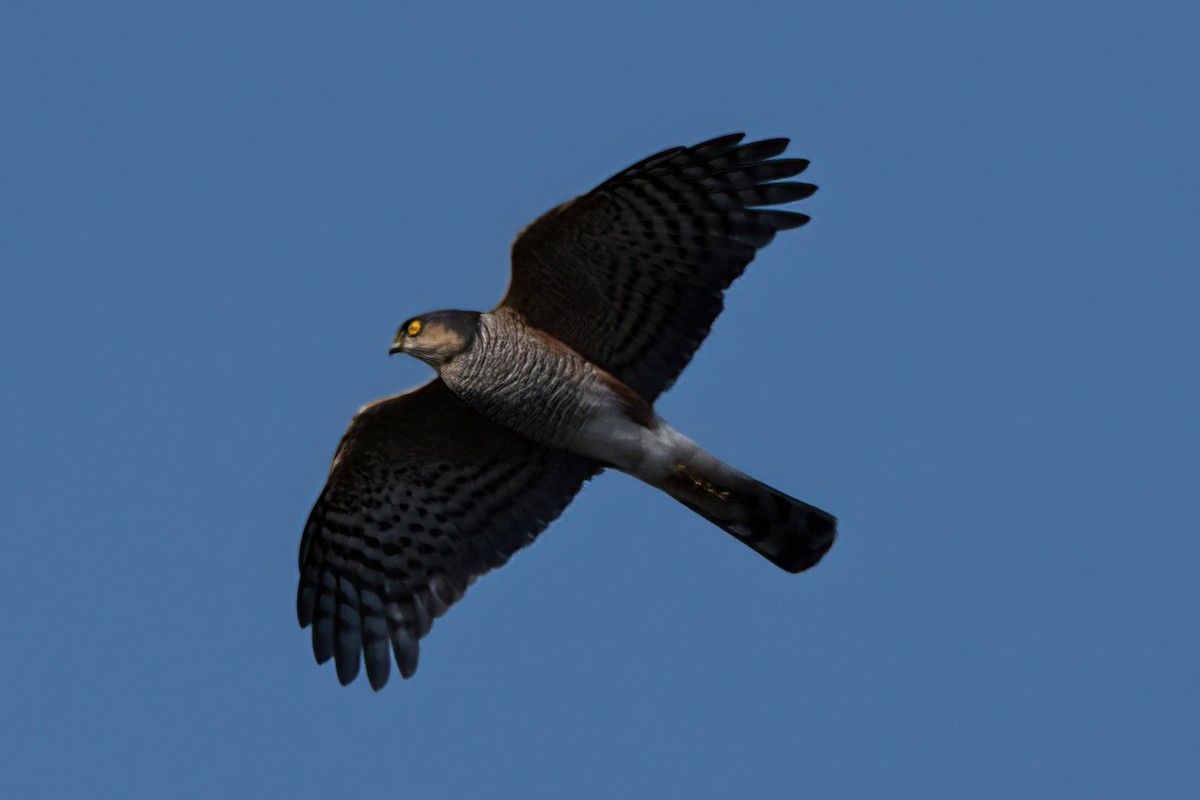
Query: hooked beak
(398, 344)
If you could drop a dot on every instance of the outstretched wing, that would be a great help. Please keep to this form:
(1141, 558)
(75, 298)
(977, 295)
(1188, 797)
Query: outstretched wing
(632, 273)
(424, 495)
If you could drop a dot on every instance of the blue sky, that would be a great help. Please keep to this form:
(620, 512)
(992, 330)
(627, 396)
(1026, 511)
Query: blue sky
(981, 355)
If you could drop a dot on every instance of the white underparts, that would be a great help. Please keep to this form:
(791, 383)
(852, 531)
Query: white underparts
(651, 453)
(543, 390)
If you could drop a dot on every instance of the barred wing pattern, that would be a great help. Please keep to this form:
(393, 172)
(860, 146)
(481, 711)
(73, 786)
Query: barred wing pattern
(632, 274)
(424, 495)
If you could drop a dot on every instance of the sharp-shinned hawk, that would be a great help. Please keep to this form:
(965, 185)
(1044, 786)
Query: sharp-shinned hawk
(611, 294)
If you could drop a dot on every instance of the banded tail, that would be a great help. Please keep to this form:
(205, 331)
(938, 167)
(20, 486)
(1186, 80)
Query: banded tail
(789, 533)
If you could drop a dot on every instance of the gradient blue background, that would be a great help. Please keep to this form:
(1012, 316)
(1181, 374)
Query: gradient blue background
(982, 355)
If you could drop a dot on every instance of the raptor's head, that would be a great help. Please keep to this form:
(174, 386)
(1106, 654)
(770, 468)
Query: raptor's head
(437, 337)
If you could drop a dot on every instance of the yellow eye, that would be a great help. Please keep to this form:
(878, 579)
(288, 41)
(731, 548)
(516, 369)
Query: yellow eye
(414, 328)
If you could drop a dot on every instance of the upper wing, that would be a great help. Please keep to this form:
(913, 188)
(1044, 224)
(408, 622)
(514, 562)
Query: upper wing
(632, 273)
(423, 496)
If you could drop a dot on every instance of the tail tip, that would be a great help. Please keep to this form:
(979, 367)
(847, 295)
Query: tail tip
(806, 551)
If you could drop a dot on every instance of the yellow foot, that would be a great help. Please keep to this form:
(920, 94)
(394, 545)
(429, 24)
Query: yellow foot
(699, 482)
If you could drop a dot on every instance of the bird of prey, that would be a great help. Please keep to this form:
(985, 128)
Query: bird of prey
(611, 293)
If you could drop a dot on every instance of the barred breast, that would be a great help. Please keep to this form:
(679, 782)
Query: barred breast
(531, 383)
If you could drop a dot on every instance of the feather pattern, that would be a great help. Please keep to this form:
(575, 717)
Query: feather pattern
(424, 495)
(632, 274)
(524, 380)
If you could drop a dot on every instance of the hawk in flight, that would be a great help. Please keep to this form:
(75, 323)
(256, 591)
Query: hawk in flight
(611, 294)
